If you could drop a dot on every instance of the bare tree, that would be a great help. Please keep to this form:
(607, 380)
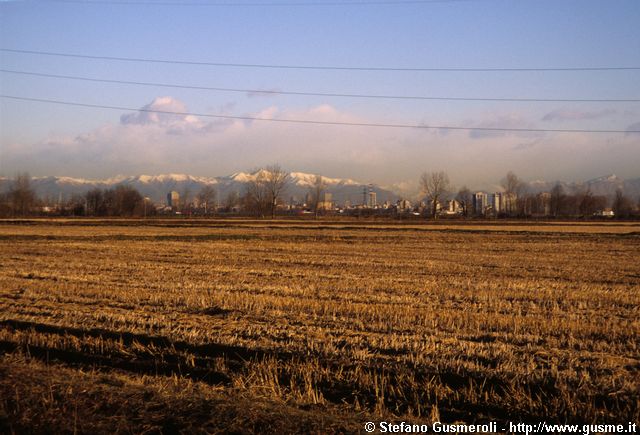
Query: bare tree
(316, 190)
(434, 185)
(21, 195)
(524, 202)
(95, 202)
(185, 200)
(128, 201)
(541, 204)
(465, 199)
(586, 203)
(265, 190)
(513, 189)
(511, 183)
(76, 205)
(256, 198)
(621, 205)
(275, 181)
(5, 205)
(557, 200)
(231, 200)
(207, 198)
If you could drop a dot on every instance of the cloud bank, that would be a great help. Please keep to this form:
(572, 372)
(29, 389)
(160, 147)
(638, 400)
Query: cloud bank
(147, 142)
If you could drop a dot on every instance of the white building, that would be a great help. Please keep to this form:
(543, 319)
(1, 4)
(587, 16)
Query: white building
(480, 203)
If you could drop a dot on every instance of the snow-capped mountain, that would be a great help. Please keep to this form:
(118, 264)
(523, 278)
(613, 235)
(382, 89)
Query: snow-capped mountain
(300, 179)
(308, 180)
(156, 187)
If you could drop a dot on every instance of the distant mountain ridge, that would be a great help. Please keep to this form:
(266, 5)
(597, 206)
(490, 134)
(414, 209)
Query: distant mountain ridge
(156, 187)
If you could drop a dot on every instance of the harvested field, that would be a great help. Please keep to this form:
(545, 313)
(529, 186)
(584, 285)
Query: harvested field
(288, 326)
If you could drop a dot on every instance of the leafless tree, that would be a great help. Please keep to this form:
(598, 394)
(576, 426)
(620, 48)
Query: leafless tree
(513, 189)
(434, 185)
(185, 200)
(621, 205)
(511, 183)
(465, 199)
(128, 201)
(22, 197)
(557, 200)
(275, 181)
(316, 190)
(585, 201)
(265, 190)
(540, 204)
(207, 198)
(255, 198)
(95, 204)
(231, 200)
(5, 205)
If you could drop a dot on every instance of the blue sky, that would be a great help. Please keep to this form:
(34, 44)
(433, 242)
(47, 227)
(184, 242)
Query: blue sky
(50, 139)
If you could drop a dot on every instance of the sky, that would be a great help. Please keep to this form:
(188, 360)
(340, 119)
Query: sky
(54, 139)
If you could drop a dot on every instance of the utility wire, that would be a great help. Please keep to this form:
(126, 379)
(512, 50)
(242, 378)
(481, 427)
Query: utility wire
(304, 121)
(316, 67)
(267, 3)
(319, 94)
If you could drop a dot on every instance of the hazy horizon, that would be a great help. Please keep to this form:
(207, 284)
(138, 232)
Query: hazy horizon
(89, 142)
(409, 189)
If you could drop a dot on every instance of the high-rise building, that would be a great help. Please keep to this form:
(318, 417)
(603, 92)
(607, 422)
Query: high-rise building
(496, 203)
(372, 200)
(480, 203)
(173, 199)
(326, 202)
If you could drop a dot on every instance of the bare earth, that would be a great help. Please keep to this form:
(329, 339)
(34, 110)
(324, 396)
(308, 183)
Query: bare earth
(307, 326)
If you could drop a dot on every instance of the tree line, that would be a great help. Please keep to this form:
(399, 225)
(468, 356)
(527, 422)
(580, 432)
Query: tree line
(122, 200)
(261, 197)
(264, 193)
(521, 203)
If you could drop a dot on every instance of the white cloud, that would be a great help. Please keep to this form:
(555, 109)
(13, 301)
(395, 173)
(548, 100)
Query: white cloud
(268, 113)
(147, 142)
(167, 113)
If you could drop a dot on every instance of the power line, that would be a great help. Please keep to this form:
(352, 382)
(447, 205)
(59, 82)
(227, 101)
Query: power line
(319, 94)
(314, 67)
(269, 3)
(304, 121)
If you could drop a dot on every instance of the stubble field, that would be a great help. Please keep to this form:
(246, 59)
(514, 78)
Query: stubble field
(288, 326)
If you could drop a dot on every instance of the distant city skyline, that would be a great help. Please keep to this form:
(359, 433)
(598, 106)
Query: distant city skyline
(51, 139)
(299, 182)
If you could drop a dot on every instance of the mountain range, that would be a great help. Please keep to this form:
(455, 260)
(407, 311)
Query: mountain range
(156, 187)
